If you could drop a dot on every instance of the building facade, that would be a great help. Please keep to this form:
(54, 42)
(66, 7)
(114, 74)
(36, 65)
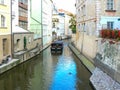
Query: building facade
(58, 23)
(5, 29)
(92, 16)
(47, 22)
(20, 13)
(35, 18)
(24, 42)
(67, 24)
(23, 14)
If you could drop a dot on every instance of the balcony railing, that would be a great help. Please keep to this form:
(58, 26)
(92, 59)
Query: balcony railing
(21, 18)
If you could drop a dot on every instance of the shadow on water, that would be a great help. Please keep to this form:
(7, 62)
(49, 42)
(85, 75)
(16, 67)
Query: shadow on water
(48, 72)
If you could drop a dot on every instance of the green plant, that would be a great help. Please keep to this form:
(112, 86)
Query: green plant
(110, 34)
(72, 22)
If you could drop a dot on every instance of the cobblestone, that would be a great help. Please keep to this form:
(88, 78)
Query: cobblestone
(101, 81)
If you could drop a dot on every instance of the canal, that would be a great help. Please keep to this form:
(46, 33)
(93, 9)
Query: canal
(48, 72)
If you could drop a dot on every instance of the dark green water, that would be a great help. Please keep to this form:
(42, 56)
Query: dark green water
(48, 72)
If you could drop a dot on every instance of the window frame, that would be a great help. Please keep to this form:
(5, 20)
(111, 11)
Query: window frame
(3, 21)
(110, 25)
(110, 5)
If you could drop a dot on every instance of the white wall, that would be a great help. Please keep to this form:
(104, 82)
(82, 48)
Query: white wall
(104, 21)
(47, 21)
(15, 13)
(67, 29)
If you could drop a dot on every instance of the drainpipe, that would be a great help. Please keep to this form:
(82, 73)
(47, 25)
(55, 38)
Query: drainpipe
(11, 31)
(41, 25)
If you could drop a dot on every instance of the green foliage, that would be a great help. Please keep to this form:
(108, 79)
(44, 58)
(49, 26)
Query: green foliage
(72, 22)
(25, 42)
(54, 33)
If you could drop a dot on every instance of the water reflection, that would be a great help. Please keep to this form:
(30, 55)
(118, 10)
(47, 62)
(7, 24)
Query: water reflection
(48, 72)
(64, 75)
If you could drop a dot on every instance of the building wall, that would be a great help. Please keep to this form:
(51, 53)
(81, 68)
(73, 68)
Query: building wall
(92, 16)
(23, 13)
(33, 46)
(110, 15)
(67, 24)
(5, 32)
(31, 43)
(7, 46)
(60, 25)
(15, 19)
(86, 27)
(5, 10)
(47, 22)
(35, 17)
(116, 7)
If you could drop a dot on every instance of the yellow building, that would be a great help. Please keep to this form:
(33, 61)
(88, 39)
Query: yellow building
(5, 29)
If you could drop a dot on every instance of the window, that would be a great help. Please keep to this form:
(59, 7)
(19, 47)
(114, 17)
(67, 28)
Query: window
(84, 27)
(83, 10)
(109, 4)
(23, 12)
(2, 21)
(18, 43)
(24, 1)
(23, 24)
(53, 25)
(1, 1)
(110, 25)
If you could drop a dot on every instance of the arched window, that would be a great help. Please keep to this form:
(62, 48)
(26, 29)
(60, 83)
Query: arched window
(2, 21)
(18, 43)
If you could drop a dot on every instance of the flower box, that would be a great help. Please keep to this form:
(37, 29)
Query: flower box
(110, 34)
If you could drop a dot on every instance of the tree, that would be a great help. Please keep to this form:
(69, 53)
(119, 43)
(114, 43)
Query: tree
(72, 22)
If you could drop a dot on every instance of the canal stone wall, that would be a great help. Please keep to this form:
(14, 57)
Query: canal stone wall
(20, 58)
(9, 65)
(99, 78)
(90, 66)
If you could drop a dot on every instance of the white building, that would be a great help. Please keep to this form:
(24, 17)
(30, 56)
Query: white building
(47, 22)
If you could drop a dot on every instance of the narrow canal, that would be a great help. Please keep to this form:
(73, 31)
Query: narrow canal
(48, 72)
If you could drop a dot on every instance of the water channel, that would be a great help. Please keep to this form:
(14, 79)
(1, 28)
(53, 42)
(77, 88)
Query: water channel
(48, 72)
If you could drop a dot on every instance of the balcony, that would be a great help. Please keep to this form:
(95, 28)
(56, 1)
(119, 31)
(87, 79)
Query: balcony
(21, 18)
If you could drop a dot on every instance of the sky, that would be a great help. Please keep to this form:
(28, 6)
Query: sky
(68, 5)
